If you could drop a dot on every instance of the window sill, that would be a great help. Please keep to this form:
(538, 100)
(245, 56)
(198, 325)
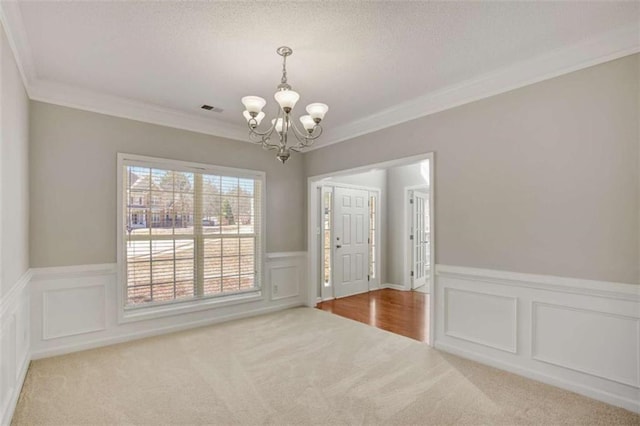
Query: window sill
(152, 312)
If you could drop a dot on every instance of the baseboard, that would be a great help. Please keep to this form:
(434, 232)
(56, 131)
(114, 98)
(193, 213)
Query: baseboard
(79, 307)
(576, 387)
(13, 401)
(97, 343)
(579, 335)
(394, 286)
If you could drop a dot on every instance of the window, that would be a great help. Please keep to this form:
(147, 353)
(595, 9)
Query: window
(326, 235)
(372, 236)
(188, 232)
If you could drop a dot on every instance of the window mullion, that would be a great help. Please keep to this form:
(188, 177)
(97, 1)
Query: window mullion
(191, 204)
(198, 233)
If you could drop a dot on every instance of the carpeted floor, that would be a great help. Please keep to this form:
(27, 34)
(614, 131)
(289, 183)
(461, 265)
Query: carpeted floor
(299, 366)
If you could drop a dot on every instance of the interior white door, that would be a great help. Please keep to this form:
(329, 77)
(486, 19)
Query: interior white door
(421, 241)
(351, 232)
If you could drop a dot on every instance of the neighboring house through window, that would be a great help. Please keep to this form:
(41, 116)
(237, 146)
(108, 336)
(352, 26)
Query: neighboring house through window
(188, 231)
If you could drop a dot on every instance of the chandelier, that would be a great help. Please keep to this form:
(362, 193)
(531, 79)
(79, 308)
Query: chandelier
(283, 125)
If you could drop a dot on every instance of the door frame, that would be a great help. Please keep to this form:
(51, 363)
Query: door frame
(374, 284)
(313, 230)
(408, 246)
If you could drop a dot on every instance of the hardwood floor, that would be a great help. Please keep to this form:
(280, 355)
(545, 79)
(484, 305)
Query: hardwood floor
(400, 312)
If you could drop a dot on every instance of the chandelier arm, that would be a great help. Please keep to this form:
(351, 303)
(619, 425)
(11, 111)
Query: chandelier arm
(269, 146)
(264, 142)
(309, 138)
(301, 145)
(299, 134)
(253, 130)
(305, 138)
(254, 138)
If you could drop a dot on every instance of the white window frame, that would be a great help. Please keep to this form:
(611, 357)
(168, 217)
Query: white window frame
(374, 282)
(138, 313)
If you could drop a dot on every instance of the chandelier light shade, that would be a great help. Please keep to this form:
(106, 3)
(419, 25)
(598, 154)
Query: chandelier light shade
(258, 118)
(253, 104)
(283, 125)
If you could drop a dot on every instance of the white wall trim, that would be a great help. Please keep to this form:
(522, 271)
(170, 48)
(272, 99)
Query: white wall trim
(14, 345)
(580, 335)
(7, 302)
(74, 97)
(605, 47)
(514, 301)
(596, 50)
(96, 343)
(11, 19)
(535, 355)
(286, 254)
(83, 328)
(395, 287)
(590, 391)
(7, 415)
(546, 282)
(84, 314)
(75, 271)
(275, 294)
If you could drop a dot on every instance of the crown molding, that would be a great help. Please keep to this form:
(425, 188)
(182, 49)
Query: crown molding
(609, 46)
(73, 97)
(11, 19)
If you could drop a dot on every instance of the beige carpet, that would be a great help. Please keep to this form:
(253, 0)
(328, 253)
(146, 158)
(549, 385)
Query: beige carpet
(299, 366)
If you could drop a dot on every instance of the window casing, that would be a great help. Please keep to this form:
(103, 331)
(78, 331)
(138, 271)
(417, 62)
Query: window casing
(188, 232)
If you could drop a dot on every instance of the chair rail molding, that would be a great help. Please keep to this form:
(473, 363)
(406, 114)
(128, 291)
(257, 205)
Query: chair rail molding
(75, 307)
(580, 335)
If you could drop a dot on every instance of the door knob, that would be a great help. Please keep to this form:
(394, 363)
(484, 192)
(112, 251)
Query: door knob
(338, 246)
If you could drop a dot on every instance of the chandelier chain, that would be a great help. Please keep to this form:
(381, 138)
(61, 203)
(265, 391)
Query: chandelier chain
(284, 70)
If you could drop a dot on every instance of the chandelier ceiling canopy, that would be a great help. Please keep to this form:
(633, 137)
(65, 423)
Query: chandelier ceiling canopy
(283, 125)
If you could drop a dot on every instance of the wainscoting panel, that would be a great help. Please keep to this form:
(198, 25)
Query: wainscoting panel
(499, 318)
(586, 333)
(14, 345)
(75, 308)
(580, 335)
(284, 281)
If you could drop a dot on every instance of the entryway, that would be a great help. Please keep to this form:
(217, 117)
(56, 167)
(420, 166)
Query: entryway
(370, 233)
(401, 312)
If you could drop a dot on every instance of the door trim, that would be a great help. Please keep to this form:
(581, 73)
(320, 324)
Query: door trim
(375, 283)
(313, 264)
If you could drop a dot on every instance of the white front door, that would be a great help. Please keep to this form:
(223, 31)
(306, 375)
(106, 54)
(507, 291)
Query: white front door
(350, 239)
(421, 240)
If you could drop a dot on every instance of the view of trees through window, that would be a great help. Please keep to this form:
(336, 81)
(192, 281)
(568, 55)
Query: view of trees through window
(189, 234)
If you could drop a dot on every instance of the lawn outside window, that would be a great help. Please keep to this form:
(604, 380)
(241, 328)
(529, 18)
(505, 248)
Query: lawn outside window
(189, 234)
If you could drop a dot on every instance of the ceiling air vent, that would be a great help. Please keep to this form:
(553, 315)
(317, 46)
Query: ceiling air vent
(211, 108)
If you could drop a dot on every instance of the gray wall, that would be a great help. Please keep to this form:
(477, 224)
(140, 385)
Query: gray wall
(543, 179)
(73, 181)
(398, 178)
(14, 164)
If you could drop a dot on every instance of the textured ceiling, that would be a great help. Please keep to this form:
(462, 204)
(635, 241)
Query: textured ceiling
(359, 58)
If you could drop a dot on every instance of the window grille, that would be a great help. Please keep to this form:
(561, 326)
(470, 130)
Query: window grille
(189, 232)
